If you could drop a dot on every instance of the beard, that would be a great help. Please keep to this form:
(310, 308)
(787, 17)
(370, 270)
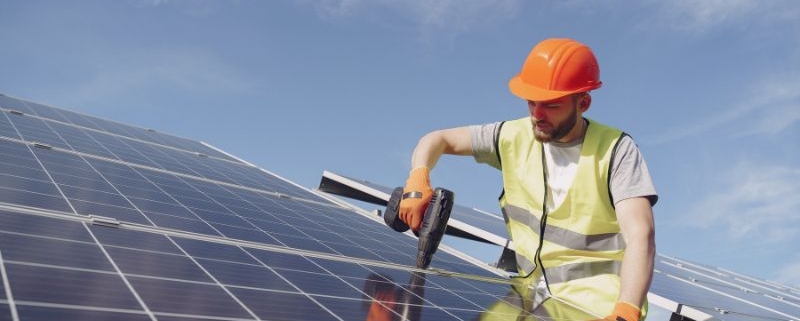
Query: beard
(558, 131)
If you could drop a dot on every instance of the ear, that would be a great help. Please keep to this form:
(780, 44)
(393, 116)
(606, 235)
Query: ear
(585, 102)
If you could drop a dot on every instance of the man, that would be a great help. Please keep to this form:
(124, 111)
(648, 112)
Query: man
(577, 196)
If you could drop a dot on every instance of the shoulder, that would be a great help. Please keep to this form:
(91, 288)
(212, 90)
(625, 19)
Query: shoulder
(626, 147)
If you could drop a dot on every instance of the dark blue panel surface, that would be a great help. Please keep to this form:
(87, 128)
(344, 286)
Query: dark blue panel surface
(37, 313)
(42, 226)
(32, 199)
(245, 275)
(22, 169)
(222, 218)
(273, 305)
(187, 298)
(6, 129)
(246, 234)
(323, 284)
(35, 130)
(78, 140)
(71, 287)
(215, 251)
(41, 250)
(284, 261)
(182, 223)
(153, 264)
(5, 312)
(134, 239)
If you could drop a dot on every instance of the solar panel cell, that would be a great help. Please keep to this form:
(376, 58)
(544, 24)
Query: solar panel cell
(215, 251)
(56, 285)
(49, 313)
(46, 196)
(216, 219)
(187, 298)
(182, 223)
(6, 130)
(56, 252)
(133, 239)
(246, 234)
(16, 222)
(283, 261)
(269, 305)
(245, 275)
(155, 264)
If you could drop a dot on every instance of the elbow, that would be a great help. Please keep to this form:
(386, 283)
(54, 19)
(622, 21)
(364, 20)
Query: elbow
(454, 141)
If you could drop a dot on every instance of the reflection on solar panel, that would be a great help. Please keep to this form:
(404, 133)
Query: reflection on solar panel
(105, 221)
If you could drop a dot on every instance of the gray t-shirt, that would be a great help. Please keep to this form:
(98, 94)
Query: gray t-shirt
(629, 175)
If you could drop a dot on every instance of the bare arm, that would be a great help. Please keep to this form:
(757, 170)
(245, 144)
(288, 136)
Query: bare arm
(454, 141)
(635, 217)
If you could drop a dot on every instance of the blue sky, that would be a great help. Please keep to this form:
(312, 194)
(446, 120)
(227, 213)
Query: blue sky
(710, 90)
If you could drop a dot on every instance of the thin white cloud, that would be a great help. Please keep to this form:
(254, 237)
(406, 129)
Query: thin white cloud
(428, 14)
(772, 106)
(174, 70)
(757, 202)
(702, 16)
(195, 8)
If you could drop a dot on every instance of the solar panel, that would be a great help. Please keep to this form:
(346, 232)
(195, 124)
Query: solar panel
(104, 221)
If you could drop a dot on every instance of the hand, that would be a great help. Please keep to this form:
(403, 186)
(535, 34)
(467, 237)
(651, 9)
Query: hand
(417, 195)
(624, 311)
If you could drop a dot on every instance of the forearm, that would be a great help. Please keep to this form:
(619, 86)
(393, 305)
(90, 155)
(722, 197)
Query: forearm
(635, 217)
(637, 271)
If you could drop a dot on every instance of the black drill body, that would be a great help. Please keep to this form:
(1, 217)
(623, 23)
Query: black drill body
(434, 222)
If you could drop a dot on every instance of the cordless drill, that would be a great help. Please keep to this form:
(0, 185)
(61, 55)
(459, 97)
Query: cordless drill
(434, 222)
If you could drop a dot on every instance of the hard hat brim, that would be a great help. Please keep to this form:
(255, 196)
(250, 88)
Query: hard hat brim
(529, 92)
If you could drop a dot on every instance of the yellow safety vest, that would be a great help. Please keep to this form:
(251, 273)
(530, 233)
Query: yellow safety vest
(578, 245)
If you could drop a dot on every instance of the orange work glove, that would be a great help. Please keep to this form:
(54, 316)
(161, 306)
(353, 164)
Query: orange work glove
(624, 311)
(417, 195)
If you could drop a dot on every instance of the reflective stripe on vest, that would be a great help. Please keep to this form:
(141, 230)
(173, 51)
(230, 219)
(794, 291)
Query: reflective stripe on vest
(567, 238)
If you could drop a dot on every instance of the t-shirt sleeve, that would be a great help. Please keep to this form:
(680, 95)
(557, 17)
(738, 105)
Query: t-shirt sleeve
(629, 174)
(484, 139)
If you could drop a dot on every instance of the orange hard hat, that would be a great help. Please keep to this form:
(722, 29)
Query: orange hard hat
(555, 68)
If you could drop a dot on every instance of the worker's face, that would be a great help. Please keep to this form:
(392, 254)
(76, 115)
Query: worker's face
(553, 119)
